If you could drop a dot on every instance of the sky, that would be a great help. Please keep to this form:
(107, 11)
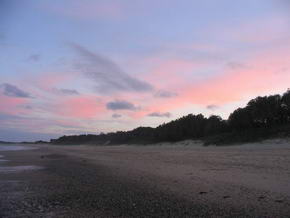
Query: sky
(91, 66)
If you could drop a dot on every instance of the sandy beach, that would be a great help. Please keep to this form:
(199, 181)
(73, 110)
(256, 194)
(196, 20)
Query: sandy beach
(165, 180)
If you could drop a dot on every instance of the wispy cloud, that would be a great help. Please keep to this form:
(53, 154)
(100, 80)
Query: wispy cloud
(13, 91)
(116, 116)
(237, 65)
(164, 94)
(121, 105)
(108, 76)
(87, 9)
(34, 57)
(66, 91)
(157, 114)
(212, 107)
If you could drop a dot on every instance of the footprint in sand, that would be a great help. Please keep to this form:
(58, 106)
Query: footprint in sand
(279, 201)
(261, 198)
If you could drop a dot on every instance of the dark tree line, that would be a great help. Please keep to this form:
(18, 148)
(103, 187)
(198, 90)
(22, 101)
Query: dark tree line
(261, 115)
(262, 112)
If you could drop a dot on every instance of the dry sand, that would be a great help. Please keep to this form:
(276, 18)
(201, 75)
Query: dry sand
(165, 180)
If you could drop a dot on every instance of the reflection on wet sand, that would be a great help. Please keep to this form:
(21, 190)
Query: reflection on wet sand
(14, 148)
(11, 169)
(18, 168)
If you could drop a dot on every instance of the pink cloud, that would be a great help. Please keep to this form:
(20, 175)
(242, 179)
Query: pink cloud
(268, 72)
(11, 105)
(81, 107)
(49, 80)
(173, 73)
(265, 72)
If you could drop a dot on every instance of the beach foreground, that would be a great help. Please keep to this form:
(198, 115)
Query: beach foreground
(180, 180)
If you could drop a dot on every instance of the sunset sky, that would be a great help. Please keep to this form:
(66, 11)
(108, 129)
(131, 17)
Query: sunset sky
(91, 66)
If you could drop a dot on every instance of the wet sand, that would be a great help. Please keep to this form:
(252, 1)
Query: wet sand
(180, 180)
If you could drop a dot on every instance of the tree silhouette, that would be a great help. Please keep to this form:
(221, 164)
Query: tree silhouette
(261, 117)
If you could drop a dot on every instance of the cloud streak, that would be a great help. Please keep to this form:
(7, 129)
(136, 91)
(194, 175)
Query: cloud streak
(66, 91)
(164, 94)
(212, 107)
(121, 105)
(13, 91)
(108, 76)
(115, 116)
(34, 57)
(157, 114)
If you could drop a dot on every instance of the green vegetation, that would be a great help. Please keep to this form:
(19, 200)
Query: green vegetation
(263, 117)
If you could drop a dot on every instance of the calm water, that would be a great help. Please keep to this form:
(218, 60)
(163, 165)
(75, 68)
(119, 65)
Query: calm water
(14, 148)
